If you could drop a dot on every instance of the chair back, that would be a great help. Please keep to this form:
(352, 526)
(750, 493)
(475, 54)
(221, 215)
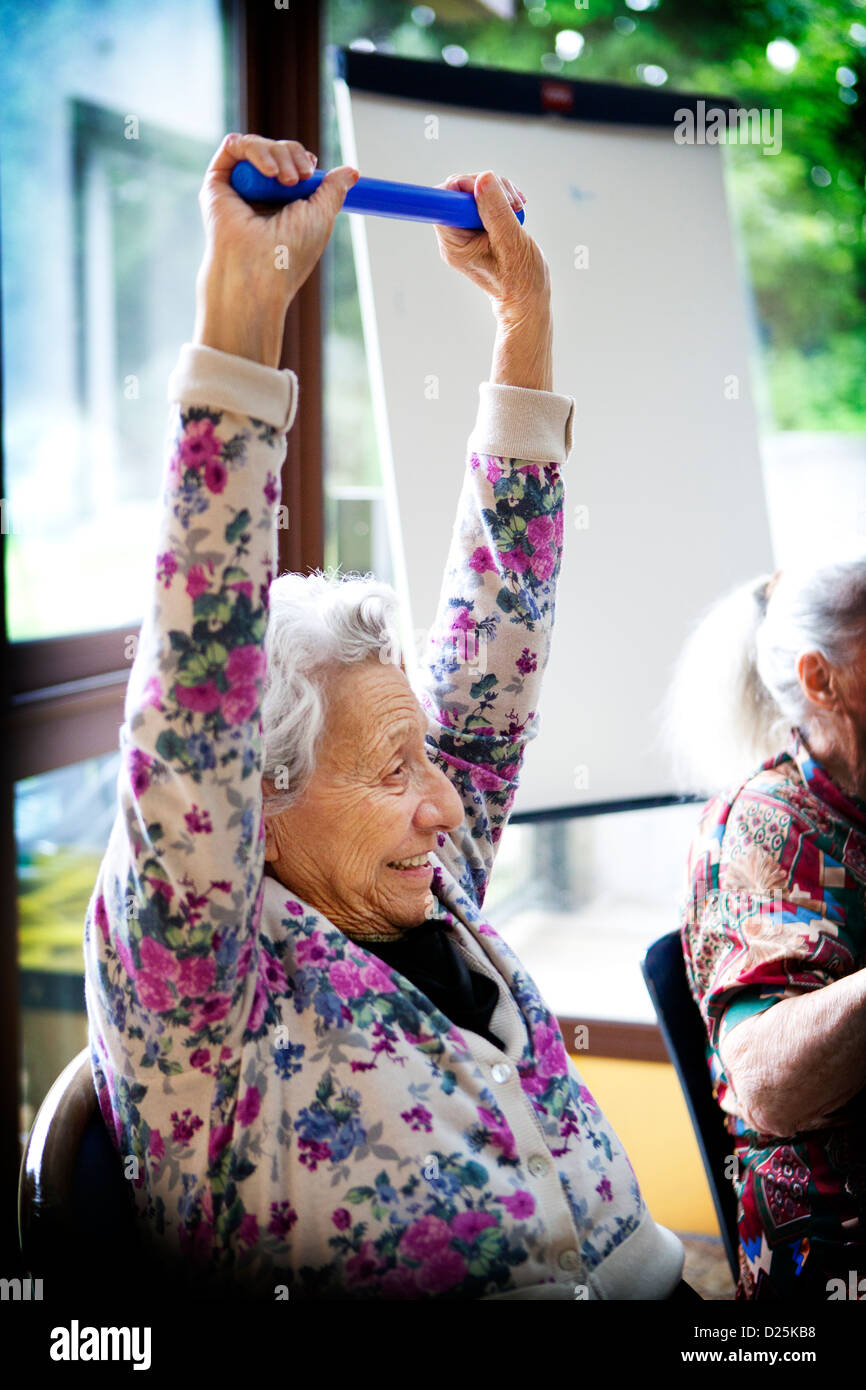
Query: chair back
(75, 1208)
(664, 971)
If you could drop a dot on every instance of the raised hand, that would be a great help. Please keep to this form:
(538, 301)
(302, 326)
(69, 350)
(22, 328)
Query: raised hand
(503, 260)
(256, 259)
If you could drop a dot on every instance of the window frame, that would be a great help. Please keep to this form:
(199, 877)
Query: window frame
(63, 696)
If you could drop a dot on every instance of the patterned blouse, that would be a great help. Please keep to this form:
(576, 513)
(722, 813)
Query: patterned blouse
(775, 906)
(295, 1113)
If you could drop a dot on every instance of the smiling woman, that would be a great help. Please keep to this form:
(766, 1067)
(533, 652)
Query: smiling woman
(324, 1087)
(366, 812)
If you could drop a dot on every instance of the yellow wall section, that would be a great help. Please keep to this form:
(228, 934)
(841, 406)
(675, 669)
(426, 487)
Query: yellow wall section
(644, 1103)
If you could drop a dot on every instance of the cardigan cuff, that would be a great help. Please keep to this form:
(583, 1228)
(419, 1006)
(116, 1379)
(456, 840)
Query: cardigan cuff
(519, 422)
(206, 376)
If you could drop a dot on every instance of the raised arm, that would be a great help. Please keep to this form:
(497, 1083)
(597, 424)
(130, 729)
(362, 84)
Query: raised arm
(480, 681)
(481, 675)
(170, 939)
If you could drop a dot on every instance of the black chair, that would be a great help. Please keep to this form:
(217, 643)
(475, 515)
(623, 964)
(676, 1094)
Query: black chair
(682, 1028)
(75, 1208)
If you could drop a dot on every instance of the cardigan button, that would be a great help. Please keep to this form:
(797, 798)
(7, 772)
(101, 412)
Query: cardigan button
(569, 1259)
(501, 1071)
(537, 1165)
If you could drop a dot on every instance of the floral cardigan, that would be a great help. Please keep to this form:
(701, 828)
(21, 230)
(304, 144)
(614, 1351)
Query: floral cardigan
(293, 1112)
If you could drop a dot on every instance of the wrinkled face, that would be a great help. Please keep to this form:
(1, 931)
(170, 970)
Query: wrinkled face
(375, 798)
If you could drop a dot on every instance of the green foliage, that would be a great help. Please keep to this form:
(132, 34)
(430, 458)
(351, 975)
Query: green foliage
(804, 237)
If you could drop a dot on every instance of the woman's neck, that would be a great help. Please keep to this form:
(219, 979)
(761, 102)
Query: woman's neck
(842, 753)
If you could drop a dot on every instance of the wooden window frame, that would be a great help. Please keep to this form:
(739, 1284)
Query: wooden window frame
(63, 696)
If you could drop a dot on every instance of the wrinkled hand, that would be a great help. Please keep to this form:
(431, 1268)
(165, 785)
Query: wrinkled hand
(255, 261)
(503, 260)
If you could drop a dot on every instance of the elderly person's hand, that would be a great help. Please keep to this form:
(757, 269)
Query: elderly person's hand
(255, 262)
(503, 260)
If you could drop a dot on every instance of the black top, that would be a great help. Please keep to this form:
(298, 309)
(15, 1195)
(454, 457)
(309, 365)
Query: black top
(427, 956)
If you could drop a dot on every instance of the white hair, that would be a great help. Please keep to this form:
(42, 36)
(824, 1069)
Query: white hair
(735, 693)
(318, 623)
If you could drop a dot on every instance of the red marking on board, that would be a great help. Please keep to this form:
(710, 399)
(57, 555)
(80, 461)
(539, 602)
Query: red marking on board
(556, 96)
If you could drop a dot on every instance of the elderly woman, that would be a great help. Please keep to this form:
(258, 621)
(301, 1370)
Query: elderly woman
(774, 917)
(329, 1078)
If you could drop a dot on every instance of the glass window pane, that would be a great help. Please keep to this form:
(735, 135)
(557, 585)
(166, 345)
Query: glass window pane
(62, 823)
(107, 126)
(580, 900)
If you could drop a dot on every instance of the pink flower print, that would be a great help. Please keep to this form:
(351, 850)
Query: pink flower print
(441, 1271)
(198, 822)
(605, 1190)
(240, 704)
(485, 780)
(310, 951)
(124, 955)
(197, 582)
(521, 1204)
(418, 1118)
(516, 560)
(152, 694)
(158, 958)
(154, 992)
(160, 887)
(248, 1232)
(199, 444)
(100, 916)
(271, 488)
(543, 563)
(375, 978)
(558, 524)
(462, 620)
(550, 1052)
(243, 586)
(156, 1145)
(363, 1266)
(469, 1224)
(219, 1137)
(245, 665)
(273, 972)
(166, 568)
(539, 530)
(249, 1106)
(423, 1238)
(210, 1011)
(203, 699)
(341, 1219)
(200, 1057)
(346, 979)
(197, 974)
(257, 1012)
(526, 662)
(481, 560)
(184, 1126)
(500, 1133)
(139, 770)
(207, 1205)
(283, 1218)
(495, 471)
(296, 911)
(215, 475)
